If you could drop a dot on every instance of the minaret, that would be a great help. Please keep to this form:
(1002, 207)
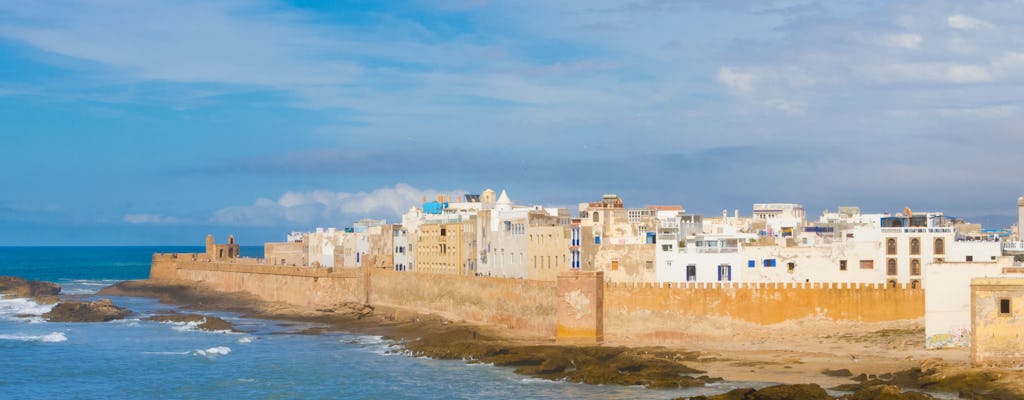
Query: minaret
(487, 198)
(1020, 217)
(209, 246)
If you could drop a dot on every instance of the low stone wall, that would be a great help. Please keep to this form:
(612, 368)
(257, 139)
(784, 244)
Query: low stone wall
(666, 313)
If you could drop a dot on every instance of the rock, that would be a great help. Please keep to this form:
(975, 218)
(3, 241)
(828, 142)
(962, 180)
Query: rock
(885, 392)
(790, 392)
(206, 322)
(358, 310)
(841, 373)
(101, 310)
(39, 291)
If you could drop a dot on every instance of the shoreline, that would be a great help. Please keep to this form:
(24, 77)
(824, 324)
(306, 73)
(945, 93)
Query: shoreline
(795, 352)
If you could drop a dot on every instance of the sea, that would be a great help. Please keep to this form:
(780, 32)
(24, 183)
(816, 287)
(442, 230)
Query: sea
(137, 359)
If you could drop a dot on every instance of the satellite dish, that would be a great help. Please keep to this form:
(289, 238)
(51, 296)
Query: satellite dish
(907, 212)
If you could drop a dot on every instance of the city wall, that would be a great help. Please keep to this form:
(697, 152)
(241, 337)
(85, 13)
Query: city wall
(653, 312)
(576, 310)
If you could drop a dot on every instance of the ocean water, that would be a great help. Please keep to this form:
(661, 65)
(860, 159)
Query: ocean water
(136, 359)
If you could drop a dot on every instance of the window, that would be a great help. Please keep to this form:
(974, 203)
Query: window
(597, 217)
(691, 273)
(915, 246)
(597, 240)
(867, 264)
(890, 246)
(890, 266)
(751, 263)
(915, 267)
(666, 247)
(970, 258)
(1004, 306)
(724, 272)
(443, 231)
(791, 266)
(892, 283)
(769, 262)
(649, 264)
(615, 265)
(842, 265)
(940, 246)
(915, 283)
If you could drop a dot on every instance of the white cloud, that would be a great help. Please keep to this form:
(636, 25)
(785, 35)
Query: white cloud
(963, 22)
(153, 219)
(327, 208)
(1001, 111)
(736, 80)
(926, 72)
(903, 40)
(788, 106)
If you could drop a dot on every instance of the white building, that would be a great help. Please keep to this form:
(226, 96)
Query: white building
(848, 248)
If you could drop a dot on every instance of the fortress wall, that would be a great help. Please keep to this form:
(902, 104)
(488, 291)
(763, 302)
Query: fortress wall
(629, 311)
(308, 287)
(669, 313)
(515, 304)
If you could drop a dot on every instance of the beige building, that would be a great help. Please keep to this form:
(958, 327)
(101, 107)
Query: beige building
(615, 240)
(447, 245)
(294, 253)
(997, 314)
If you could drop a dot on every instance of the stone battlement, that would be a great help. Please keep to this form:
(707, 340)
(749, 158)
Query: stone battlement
(578, 307)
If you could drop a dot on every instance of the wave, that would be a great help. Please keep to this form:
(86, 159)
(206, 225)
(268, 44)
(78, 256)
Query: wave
(213, 352)
(19, 308)
(84, 286)
(168, 353)
(53, 337)
(247, 339)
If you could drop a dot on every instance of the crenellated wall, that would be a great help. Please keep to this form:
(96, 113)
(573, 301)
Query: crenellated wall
(661, 312)
(625, 311)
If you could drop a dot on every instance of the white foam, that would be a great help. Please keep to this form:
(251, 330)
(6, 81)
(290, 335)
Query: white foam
(9, 308)
(168, 353)
(53, 337)
(213, 352)
(84, 286)
(538, 380)
(186, 326)
(247, 339)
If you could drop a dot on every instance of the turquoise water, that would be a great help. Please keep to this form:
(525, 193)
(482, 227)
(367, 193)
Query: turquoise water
(135, 359)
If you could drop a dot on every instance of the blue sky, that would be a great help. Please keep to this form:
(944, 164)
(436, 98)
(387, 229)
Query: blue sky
(139, 122)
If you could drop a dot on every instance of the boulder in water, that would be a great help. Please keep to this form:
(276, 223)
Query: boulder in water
(101, 310)
(205, 322)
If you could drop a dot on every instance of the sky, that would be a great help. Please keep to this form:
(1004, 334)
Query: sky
(156, 122)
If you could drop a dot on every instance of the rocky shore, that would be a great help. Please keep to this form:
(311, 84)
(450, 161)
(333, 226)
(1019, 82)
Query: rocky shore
(650, 366)
(39, 291)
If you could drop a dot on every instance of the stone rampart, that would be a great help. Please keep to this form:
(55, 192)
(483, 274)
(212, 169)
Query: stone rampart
(665, 312)
(515, 304)
(642, 312)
